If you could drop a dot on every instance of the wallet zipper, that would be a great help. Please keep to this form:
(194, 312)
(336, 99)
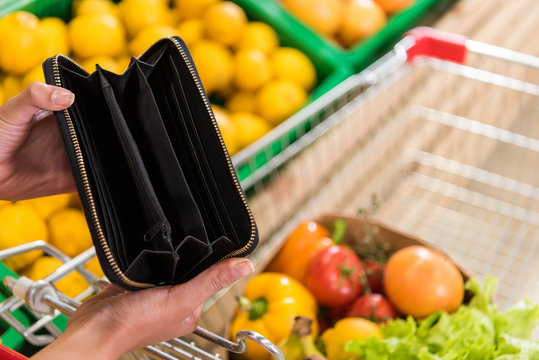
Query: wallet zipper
(87, 190)
(198, 83)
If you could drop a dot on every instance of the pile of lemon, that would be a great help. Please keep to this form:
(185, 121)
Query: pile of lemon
(241, 64)
(57, 219)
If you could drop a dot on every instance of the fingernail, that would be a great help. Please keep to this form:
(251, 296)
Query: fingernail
(241, 268)
(62, 97)
(41, 114)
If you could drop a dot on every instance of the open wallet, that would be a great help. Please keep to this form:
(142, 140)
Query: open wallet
(158, 188)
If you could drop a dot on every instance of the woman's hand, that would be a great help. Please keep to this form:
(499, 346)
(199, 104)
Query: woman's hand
(116, 321)
(33, 161)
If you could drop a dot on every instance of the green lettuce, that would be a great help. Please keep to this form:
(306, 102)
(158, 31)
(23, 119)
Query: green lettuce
(475, 331)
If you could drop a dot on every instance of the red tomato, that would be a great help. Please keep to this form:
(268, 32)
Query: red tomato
(420, 281)
(333, 276)
(373, 307)
(374, 271)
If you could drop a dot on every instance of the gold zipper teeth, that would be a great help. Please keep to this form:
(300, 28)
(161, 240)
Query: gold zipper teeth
(88, 190)
(222, 142)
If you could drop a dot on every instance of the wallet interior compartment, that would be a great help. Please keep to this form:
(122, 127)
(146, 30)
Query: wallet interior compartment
(104, 200)
(112, 174)
(181, 126)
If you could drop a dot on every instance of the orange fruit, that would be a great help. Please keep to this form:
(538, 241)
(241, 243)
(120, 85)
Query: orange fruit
(278, 99)
(69, 231)
(147, 36)
(225, 22)
(362, 18)
(241, 101)
(324, 16)
(420, 281)
(54, 35)
(227, 128)
(96, 34)
(21, 224)
(189, 9)
(260, 36)
(252, 69)
(249, 127)
(191, 31)
(214, 65)
(21, 47)
(293, 65)
(137, 14)
(392, 6)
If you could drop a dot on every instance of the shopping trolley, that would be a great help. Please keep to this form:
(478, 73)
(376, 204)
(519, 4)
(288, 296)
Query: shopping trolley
(442, 129)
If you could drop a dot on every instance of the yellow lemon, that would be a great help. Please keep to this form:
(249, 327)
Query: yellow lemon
(20, 224)
(214, 64)
(260, 36)
(225, 22)
(1, 99)
(69, 231)
(71, 285)
(21, 47)
(96, 34)
(252, 69)
(188, 9)
(4, 203)
(191, 31)
(46, 205)
(279, 99)
(227, 128)
(53, 33)
(148, 36)
(249, 127)
(293, 65)
(86, 7)
(12, 85)
(94, 267)
(36, 74)
(242, 101)
(138, 14)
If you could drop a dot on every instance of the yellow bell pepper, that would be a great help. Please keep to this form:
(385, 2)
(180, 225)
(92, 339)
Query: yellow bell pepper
(270, 303)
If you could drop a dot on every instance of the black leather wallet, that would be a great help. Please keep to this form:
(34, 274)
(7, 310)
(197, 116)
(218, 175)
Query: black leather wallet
(160, 194)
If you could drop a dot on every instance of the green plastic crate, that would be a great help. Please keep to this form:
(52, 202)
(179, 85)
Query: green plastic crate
(319, 48)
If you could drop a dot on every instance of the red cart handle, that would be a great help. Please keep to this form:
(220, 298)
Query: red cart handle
(438, 44)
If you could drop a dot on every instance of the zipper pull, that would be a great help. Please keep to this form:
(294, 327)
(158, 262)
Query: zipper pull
(162, 227)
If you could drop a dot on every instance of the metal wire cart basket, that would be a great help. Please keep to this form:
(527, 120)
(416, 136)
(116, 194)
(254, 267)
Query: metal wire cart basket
(443, 130)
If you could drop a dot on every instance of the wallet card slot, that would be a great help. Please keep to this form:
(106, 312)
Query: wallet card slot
(111, 218)
(194, 177)
(185, 132)
(148, 129)
(221, 209)
(138, 172)
(189, 266)
(152, 266)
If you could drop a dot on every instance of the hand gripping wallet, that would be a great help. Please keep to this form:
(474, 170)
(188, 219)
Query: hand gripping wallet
(157, 185)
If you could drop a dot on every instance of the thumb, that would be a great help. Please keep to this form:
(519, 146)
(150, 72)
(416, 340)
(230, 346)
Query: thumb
(216, 278)
(20, 109)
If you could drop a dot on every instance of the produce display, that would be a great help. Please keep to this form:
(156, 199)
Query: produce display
(345, 22)
(57, 219)
(254, 82)
(379, 297)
